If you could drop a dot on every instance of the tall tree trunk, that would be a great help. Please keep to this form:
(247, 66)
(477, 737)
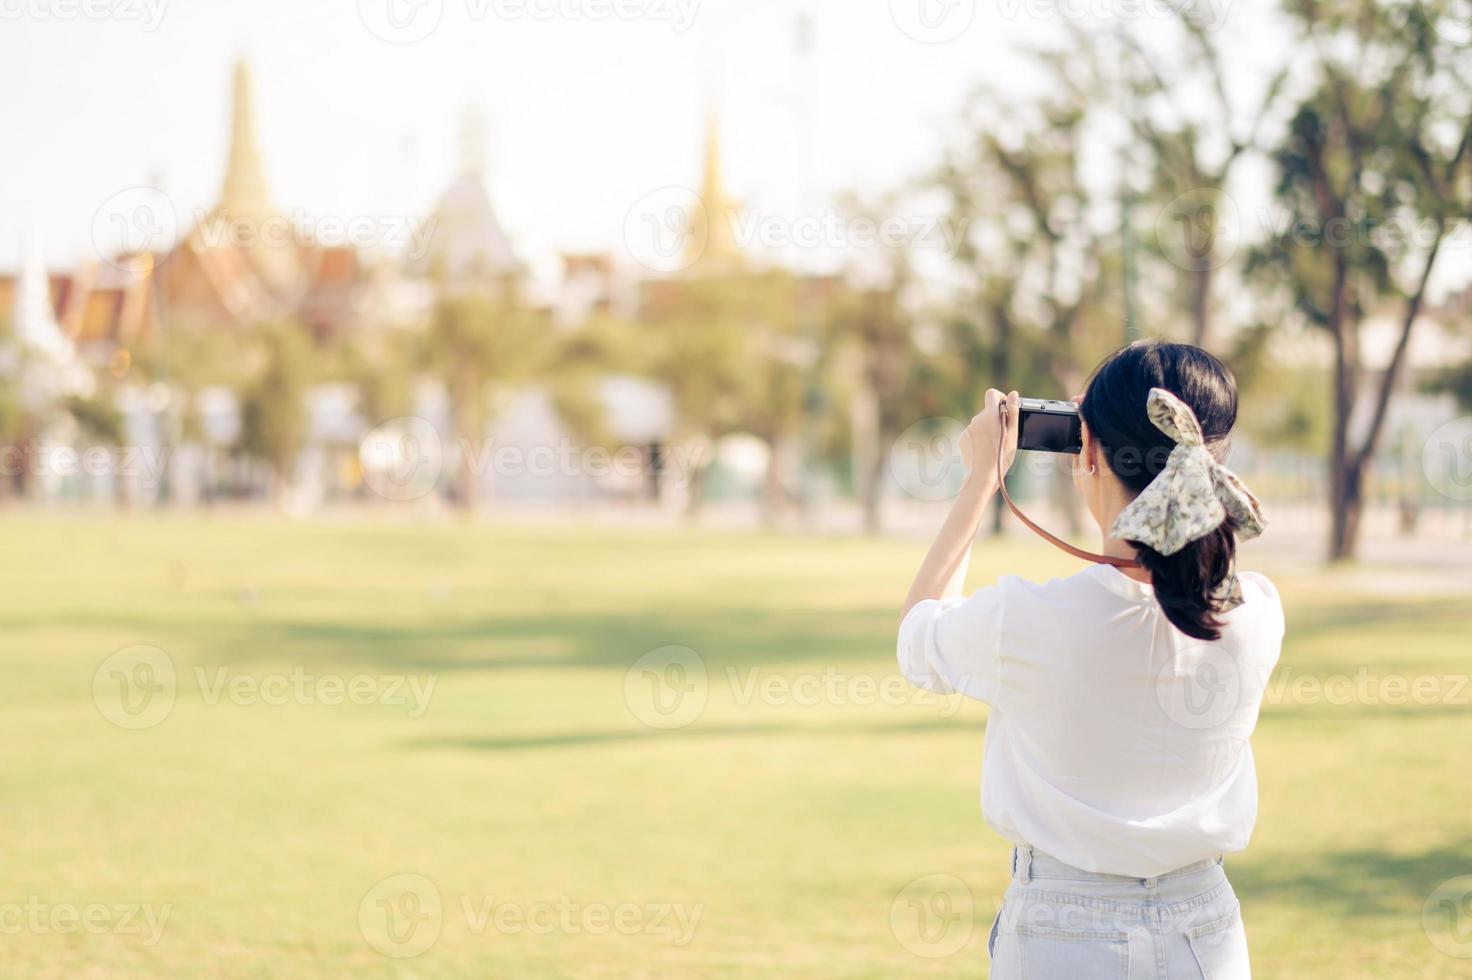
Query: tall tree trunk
(1351, 467)
(772, 484)
(874, 496)
(1349, 505)
(469, 429)
(1201, 300)
(865, 428)
(1001, 378)
(695, 492)
(1343, 482)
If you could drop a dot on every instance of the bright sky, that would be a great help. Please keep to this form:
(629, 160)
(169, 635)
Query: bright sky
(586, 114)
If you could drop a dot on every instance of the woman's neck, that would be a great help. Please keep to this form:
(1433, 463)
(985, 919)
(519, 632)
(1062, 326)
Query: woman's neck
(1115, 547)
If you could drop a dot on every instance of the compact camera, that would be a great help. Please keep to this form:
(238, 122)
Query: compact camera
(1048, 426)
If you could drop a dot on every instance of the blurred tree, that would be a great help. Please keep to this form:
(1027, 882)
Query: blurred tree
(872, 327)
(870, 336)
(1041, 276)
(1281, 406)
(190, 358)
(774, 361)
(580, 359)
(1374, 174)
(99, 423)
(698, 341)
(1455, 381)
(273, 413)
(1181, 113)
(478, 342)
(379, 363)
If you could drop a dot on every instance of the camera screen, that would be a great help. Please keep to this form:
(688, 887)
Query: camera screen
(1048, 432)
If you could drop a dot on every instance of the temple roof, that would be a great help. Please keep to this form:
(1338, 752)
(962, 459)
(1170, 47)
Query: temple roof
(466, 241)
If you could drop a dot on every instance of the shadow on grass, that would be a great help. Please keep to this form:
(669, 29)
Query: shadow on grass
(1310, 620)
(558, 740)
(724, 638)
(1352, 884)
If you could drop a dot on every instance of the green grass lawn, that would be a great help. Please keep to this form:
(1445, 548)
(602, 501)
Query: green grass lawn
(559, 835)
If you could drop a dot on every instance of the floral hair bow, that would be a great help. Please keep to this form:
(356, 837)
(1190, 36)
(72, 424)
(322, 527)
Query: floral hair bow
(1192, 496)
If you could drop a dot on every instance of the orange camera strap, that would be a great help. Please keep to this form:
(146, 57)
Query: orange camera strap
(1057, 542)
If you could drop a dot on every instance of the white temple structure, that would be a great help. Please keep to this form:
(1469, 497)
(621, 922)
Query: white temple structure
(38, 355)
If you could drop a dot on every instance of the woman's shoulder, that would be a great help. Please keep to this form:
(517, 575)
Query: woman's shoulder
(1091, 583)
(1260, 582)
(1260, 601)
(1256, 585)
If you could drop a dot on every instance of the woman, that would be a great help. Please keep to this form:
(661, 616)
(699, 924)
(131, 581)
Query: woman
(1122, 698)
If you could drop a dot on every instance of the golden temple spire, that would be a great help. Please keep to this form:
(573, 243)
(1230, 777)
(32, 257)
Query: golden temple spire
(714, 231)
(244, 191)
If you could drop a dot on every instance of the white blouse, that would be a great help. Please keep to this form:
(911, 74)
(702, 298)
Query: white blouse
(1115, 742)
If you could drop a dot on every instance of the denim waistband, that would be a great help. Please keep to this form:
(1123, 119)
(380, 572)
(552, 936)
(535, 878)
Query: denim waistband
(1029, 864)
(1186, 890)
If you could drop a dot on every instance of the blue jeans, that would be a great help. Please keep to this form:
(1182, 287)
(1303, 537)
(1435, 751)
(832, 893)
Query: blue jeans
(1060, 923)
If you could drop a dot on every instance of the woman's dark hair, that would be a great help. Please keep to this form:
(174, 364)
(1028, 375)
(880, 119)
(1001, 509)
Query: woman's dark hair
(1132, 447)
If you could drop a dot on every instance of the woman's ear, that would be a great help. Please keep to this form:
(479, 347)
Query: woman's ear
(1088, 456)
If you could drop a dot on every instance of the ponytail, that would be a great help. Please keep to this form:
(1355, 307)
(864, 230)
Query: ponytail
(1186, 583)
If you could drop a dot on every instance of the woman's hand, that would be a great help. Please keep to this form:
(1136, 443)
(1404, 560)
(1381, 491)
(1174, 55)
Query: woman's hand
(980, 440)
(943, 572)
